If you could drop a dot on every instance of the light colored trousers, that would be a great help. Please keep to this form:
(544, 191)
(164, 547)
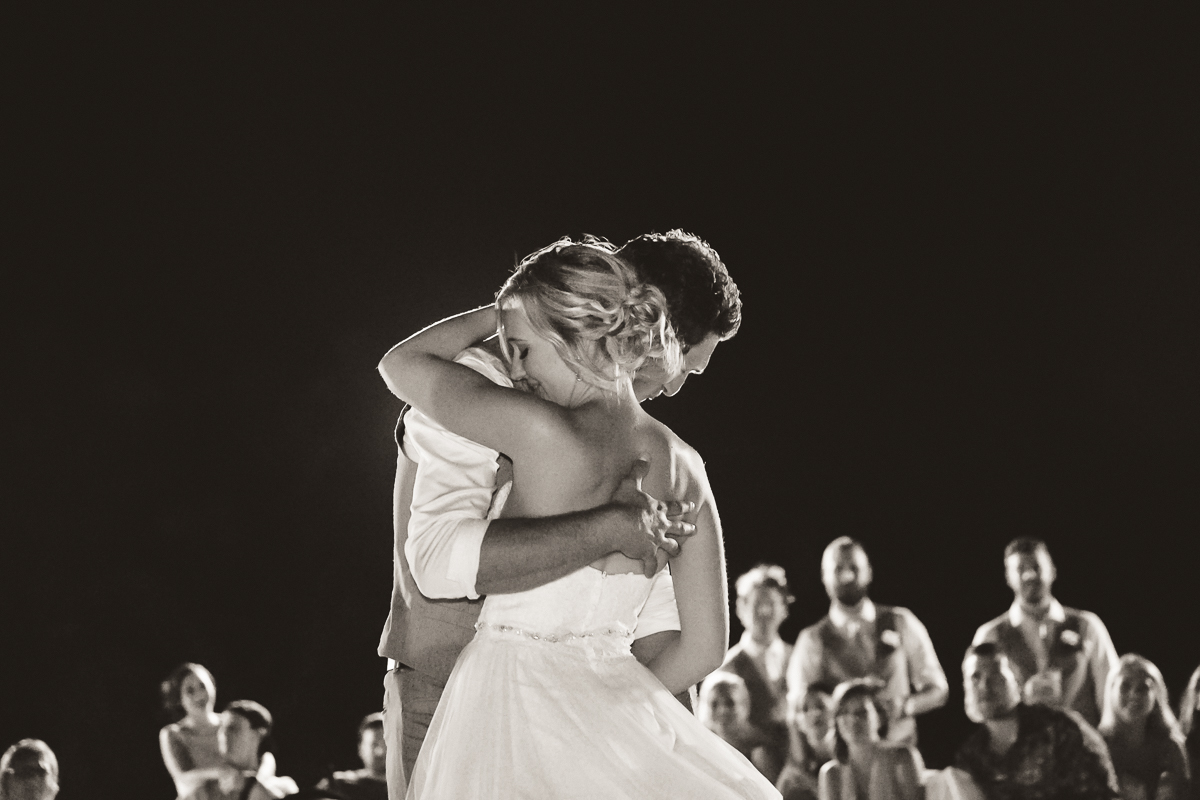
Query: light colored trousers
(409, 700)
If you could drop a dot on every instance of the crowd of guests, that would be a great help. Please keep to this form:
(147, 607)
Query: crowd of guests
(1059, 714)
(831, 718)
(227, 756)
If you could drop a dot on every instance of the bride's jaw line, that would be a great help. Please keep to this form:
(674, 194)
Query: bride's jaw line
(535, 360)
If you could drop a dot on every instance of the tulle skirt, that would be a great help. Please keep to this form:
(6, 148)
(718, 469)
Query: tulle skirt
(575, 718)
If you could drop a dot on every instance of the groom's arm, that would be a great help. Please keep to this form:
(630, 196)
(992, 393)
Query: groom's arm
(453, 551)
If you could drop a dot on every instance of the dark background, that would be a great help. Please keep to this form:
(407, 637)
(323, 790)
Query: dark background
(967, 247)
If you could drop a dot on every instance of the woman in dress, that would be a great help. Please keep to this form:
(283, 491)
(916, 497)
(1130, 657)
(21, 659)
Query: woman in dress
(547, 700)
(190, 746)
(810, 734)
(1189, 725)
(1144, 740)
(865, 766)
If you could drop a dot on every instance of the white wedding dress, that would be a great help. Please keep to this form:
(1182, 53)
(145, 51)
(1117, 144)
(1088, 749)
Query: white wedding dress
(548, 703)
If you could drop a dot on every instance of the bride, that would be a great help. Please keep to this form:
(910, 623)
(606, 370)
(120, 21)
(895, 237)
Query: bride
(547, 700)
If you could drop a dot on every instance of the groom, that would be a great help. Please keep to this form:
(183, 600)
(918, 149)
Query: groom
(448, 553)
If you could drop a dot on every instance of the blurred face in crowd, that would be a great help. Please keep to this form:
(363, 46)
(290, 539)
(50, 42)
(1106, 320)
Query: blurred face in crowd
(723, 706)
(761, 611)
(1030, 576)
(846, 574)
(653, 380)
(373, 750)
(239, 740)
(197, 693)
(815, 719)
(858, 720)
(991, 688)
(1135, 695)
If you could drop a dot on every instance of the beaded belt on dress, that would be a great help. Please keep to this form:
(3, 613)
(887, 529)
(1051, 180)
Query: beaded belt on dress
(555, 637)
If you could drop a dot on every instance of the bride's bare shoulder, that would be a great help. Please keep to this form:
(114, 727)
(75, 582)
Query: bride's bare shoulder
(684, 466)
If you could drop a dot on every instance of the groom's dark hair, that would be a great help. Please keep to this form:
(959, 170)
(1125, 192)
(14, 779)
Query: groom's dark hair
(701, 297)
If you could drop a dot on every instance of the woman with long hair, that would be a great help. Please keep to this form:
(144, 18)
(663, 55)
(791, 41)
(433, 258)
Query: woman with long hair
(547, 700)
(1144, 739)
(1189, 726)
(810, 744)
(865, 766)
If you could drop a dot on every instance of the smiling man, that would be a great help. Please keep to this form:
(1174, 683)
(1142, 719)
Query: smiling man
(1061, 656)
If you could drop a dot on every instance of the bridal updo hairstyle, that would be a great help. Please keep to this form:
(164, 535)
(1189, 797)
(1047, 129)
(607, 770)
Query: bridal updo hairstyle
(593, 308)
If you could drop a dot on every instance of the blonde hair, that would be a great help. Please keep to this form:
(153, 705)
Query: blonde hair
(1187, 705)
(733, 685)
(1161, 717)
(592, 307)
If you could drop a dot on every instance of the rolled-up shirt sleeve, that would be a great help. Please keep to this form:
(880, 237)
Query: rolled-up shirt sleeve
(804, 668)
(924, 669)
(452, 495)
(659, 613)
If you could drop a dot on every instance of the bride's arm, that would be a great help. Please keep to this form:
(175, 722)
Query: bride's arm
(701, 593)
(421, 371)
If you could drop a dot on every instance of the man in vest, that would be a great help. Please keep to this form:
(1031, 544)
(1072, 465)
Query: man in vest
(859, 639)
(1060, 656)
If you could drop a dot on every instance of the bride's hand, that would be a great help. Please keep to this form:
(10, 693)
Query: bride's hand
(655, 526)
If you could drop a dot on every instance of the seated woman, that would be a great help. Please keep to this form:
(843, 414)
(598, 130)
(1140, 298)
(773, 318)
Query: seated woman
(1144, 740)
(761, 657)
(865, 767)
(810, 745)
(189, 744)
(725, 710)
(1189, 725)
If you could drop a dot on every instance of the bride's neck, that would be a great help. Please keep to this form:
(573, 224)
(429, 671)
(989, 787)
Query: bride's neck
(590, 394)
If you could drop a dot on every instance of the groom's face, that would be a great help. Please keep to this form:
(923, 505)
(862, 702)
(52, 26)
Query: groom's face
(652, 380)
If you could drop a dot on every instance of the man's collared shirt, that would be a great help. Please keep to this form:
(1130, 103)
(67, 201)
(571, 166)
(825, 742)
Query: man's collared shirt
(1036, 629)
(851, 620)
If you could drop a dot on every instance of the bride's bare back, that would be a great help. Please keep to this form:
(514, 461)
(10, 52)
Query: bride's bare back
(579, 465)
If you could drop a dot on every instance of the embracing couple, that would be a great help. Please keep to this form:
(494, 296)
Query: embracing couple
(528, 473)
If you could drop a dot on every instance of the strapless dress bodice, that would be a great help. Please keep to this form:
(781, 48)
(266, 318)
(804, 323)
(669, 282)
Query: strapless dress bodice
(585, 603)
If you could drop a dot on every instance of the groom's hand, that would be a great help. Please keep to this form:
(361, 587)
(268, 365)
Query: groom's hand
(655, 526)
